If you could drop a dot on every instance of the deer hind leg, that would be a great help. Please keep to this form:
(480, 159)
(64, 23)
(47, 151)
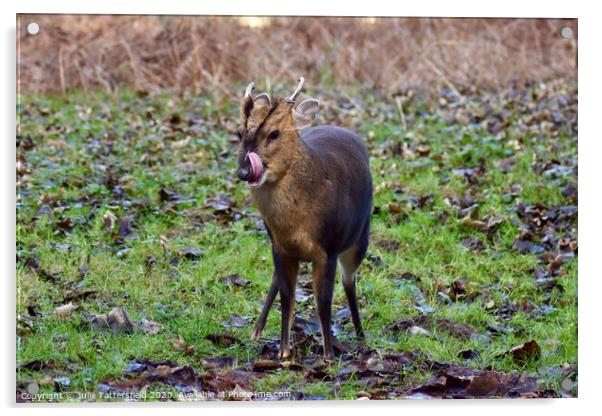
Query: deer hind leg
(350, 261)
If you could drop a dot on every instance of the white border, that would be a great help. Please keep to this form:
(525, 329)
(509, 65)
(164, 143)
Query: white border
(590, 96)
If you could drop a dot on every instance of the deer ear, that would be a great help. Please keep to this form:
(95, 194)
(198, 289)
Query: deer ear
(263, 99)
(261, 108)
(305, 112)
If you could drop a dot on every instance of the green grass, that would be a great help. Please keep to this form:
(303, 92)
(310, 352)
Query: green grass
(78, 139)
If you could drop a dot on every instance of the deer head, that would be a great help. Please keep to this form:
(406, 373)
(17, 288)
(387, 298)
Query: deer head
(268, 134)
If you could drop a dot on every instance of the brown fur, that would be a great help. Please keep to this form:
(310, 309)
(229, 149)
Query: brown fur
(292, 169)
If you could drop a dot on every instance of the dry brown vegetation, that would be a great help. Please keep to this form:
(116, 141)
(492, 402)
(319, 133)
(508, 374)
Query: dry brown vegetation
(212, 53)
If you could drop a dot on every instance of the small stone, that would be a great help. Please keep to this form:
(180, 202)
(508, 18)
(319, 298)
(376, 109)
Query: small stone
(566, 384)
(64, 311)
(416, 330)
(363, 395)
(150, 327)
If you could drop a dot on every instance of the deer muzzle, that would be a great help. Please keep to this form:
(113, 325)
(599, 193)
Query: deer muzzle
(252, 170)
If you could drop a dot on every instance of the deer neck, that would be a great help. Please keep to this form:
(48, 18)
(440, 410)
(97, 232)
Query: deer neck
(278, 201)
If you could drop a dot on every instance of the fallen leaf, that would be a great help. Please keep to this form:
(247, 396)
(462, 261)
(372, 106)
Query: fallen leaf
(217, 362)
(526, 247)
(37, 365)
(178, 344)
(79, 295)
(109, 220)
(423, 150)
(35, 266)
(166, 195)
(417, 326)
(452, 381)
(473, 244)
(117, 321)
(394, 208)
(65, 224)
(528, 351)
(125, 226)
(164, 244)
(180, 144)
(223, 340)
(235, 280)
(265, 364)
(84, 267)
(484, 385)
(236, 321)
(389, 245)
(469, 354)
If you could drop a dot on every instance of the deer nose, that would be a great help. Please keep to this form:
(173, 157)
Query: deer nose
(244, 173)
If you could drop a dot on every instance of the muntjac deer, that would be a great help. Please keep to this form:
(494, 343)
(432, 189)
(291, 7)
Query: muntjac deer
(314, 191)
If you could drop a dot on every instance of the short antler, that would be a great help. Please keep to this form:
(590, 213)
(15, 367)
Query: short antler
(291, 98)
(249, 89)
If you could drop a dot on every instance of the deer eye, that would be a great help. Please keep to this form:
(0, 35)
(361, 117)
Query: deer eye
(273, 135)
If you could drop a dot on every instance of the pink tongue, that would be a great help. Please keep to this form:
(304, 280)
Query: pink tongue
(256, 167)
